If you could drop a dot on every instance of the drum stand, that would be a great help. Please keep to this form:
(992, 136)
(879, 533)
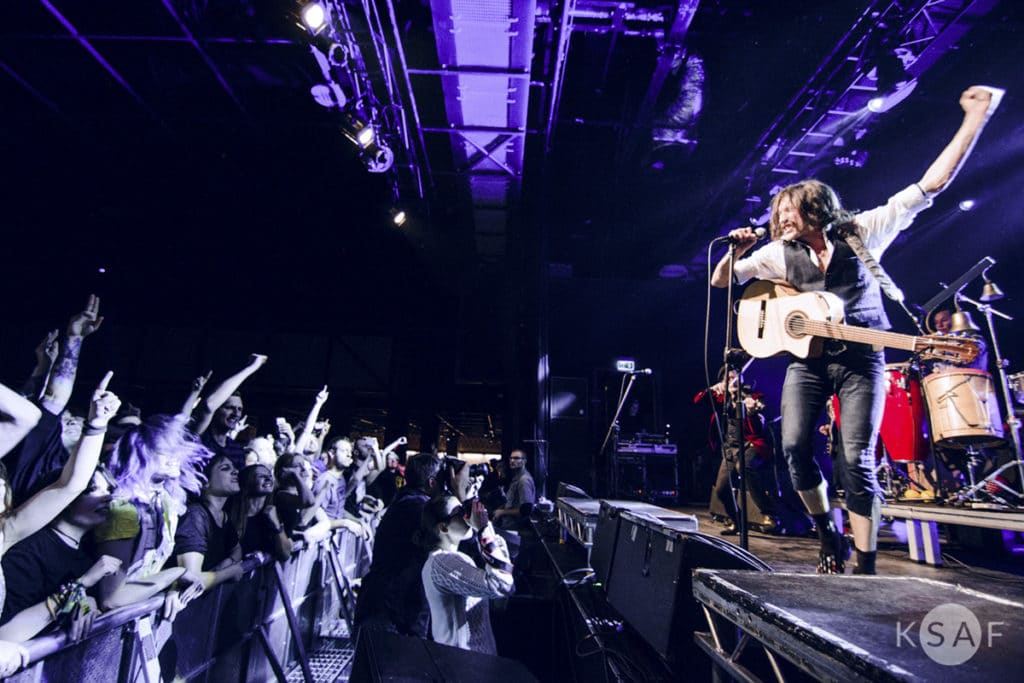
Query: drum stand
(971, 493)
(1012, 420)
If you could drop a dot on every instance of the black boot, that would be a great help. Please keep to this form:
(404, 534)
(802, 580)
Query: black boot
(865, 562)
(834, 548)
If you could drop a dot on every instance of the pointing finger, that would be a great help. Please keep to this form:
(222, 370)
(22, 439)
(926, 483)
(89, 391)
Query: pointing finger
(105, 381)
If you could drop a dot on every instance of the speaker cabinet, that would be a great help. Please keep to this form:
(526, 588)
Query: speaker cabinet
(607, 530)
(382, 656)
(650, 582)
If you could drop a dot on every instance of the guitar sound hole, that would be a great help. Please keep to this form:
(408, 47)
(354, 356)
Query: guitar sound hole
(795, 325)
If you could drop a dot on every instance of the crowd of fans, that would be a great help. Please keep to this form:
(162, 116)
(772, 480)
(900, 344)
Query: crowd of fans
(107, 510)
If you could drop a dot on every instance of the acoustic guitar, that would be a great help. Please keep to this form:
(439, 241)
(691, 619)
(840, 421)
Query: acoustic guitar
(773, 318)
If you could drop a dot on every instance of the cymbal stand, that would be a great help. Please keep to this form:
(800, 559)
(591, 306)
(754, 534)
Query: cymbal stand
(884, 472)
(973, 493)
(1012, 420)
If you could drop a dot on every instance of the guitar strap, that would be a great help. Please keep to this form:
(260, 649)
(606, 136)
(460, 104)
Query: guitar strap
(889, 287)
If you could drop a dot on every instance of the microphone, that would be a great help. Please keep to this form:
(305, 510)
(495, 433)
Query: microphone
(759, 233)
(644, 371)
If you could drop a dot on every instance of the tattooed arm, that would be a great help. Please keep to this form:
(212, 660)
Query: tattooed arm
(62, 376)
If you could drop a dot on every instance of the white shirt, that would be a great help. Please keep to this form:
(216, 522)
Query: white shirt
(877, 228)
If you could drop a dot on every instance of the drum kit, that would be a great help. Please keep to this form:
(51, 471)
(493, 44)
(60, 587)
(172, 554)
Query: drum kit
(951, 410)
(954, 411)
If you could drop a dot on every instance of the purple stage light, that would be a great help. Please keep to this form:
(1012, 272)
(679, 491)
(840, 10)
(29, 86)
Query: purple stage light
(967, 204)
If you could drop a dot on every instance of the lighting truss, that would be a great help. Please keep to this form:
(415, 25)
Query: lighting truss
(352, 53)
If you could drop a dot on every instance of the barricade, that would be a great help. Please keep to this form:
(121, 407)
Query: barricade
(256, 629)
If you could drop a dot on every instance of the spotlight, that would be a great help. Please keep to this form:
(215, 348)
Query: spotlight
(966, 205)
(398, 217)
(314, 18)
(358, 131)
(892, 80)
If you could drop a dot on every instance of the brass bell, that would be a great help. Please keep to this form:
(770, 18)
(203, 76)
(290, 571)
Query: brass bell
(961, 322)
(991, 292)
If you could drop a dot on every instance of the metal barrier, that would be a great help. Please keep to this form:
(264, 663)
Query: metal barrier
(253, 630)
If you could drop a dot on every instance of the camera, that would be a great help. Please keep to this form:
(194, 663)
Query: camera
(477, 470)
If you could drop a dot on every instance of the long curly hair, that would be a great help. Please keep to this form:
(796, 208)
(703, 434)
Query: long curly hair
(149, 448)
(817, 203)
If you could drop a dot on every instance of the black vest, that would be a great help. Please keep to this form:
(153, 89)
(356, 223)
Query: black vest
(847, 277)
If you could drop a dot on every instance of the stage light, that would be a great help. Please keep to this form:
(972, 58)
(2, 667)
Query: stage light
(364, 137)
(378, 159)
(358, 131)
(892, 80)
(314, 18)
(966, 205)
(398, 217)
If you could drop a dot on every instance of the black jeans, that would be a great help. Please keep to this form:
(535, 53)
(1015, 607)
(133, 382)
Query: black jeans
(857, 375)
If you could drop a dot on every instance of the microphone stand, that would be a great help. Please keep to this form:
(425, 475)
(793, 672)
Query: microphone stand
(613, 428)
(1012, 420)
(733, 406)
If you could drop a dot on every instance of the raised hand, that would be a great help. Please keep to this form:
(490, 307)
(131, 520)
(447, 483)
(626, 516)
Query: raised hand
(46, 352)
(257, 360)
(104, 404)
(199, 382)
(285, 430)
(88, 320)
(976, 99)
(239, 427)
(478, 517)
(321, 398)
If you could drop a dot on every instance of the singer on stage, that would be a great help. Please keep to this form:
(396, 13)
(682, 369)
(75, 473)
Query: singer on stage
(810, 248)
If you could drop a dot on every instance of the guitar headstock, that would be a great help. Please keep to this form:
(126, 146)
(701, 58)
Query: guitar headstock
(959, 350)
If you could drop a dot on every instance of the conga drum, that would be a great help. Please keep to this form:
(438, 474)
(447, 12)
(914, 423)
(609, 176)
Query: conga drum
(903, 430)
(963, 408)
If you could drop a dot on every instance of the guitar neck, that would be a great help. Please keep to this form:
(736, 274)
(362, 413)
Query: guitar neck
(862, 335)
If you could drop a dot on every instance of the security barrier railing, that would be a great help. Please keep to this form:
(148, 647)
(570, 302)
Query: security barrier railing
(256, 629)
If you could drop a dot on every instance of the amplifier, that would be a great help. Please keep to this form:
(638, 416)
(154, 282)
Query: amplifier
(578, 516)
(650, 581)
(606, 533)
(648, 448)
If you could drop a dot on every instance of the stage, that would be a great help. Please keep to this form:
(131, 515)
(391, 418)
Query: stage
(812, 627)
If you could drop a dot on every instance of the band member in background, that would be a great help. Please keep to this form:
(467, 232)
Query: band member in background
(811, 249)
(942, 321)
(750, 434)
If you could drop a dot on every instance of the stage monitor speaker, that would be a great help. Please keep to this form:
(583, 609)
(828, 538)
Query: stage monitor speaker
(650, 582)
(382, 656)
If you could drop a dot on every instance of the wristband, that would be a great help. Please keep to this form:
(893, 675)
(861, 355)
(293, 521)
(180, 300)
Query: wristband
(92, 430)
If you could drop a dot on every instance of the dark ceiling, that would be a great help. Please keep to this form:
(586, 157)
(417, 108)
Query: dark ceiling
(187, 159)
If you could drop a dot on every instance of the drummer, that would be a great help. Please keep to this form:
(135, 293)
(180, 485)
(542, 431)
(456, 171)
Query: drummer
(943, 323)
